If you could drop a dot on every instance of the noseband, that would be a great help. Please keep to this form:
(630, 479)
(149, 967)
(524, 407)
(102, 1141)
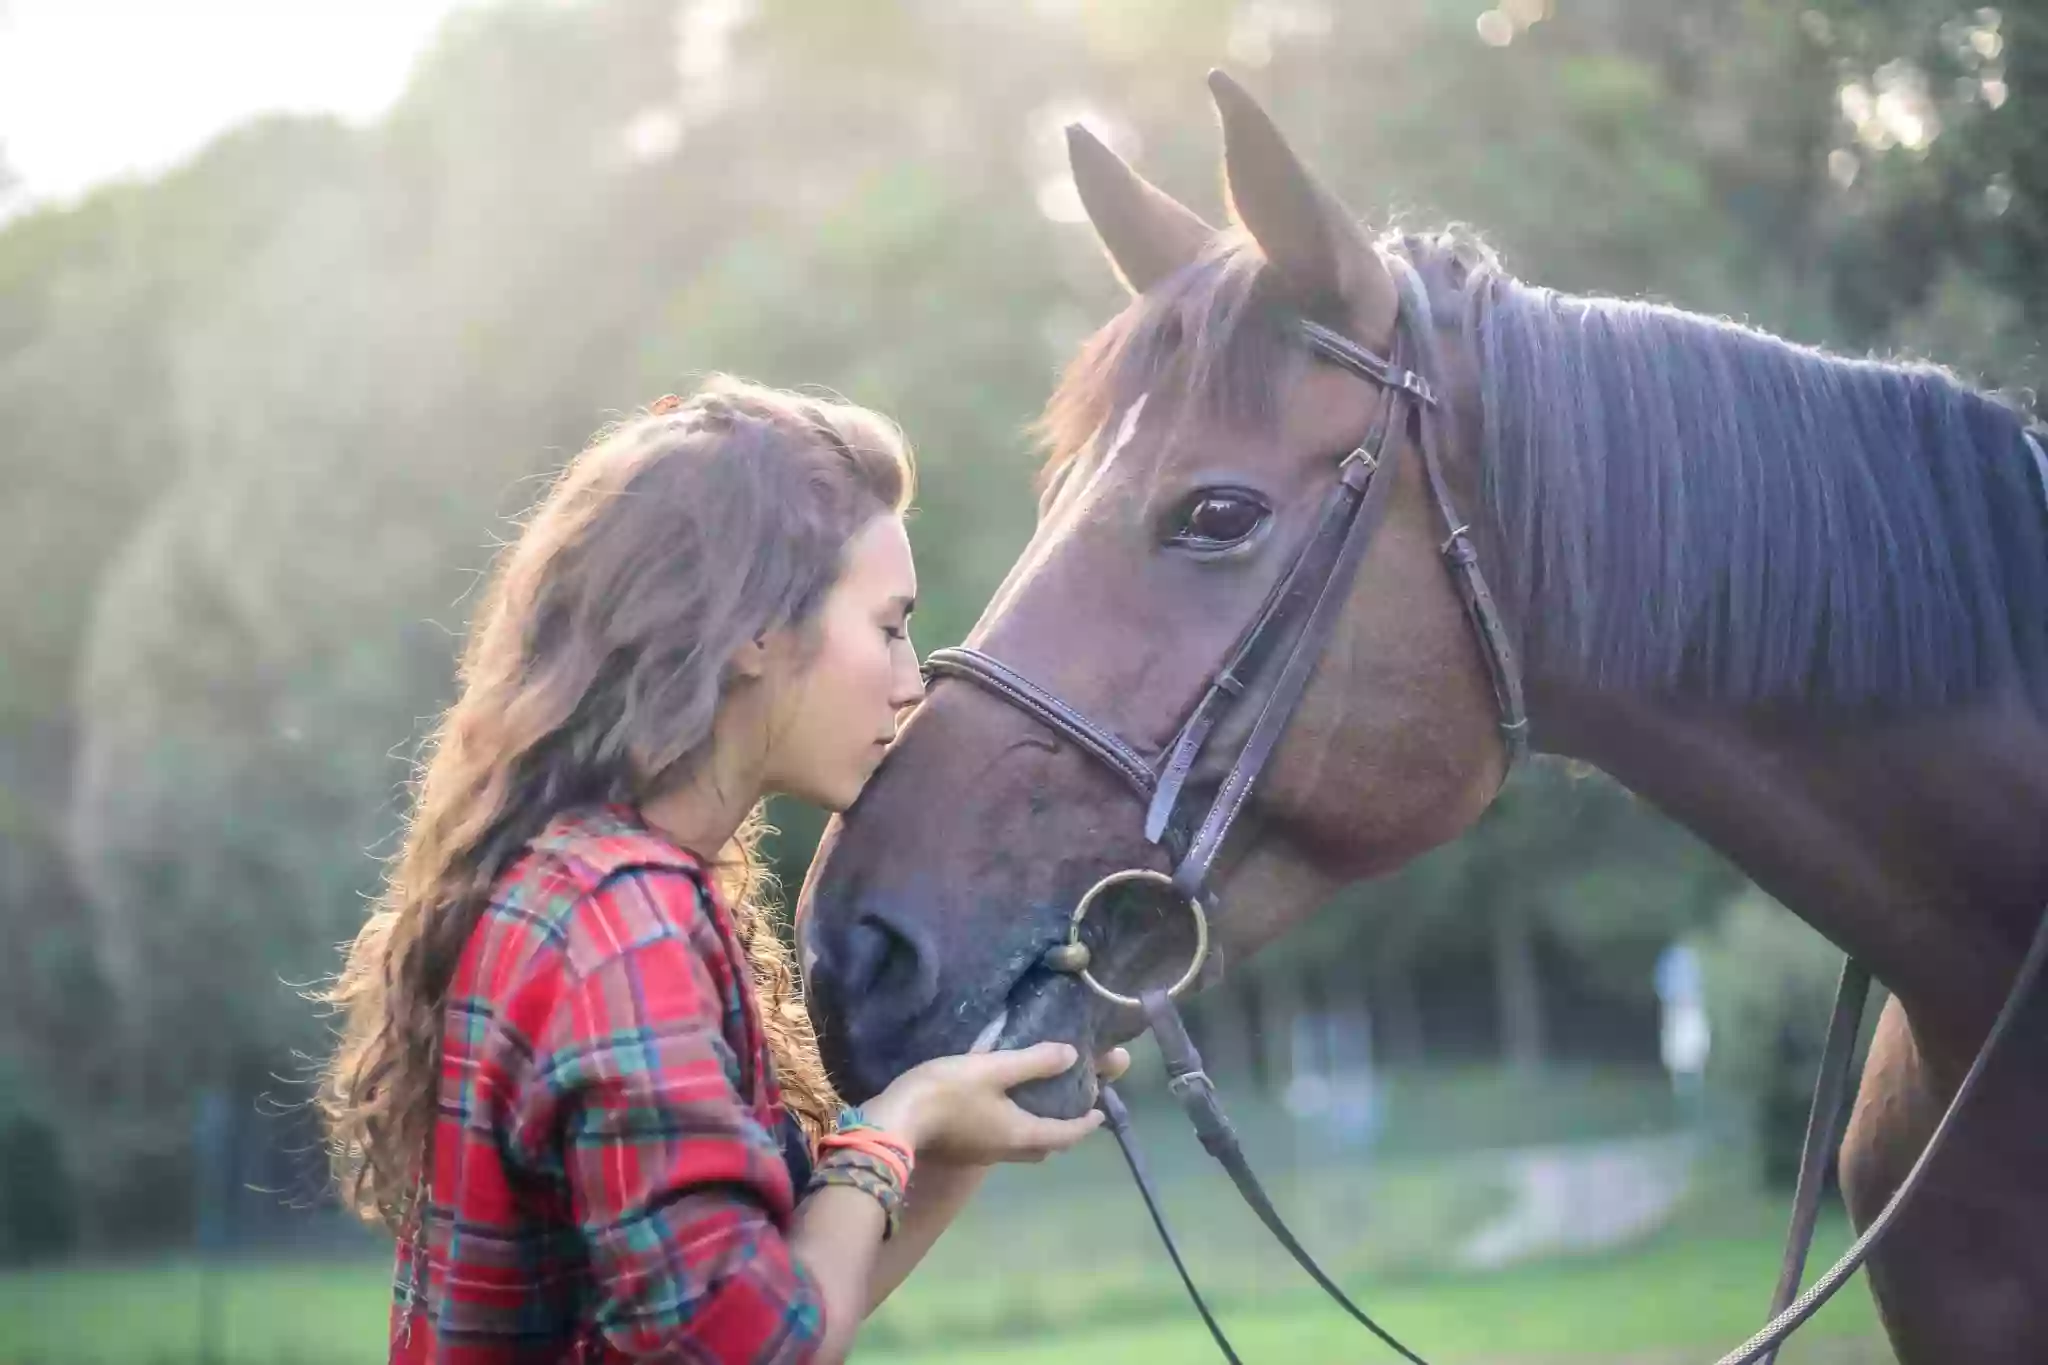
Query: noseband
(1305, 606)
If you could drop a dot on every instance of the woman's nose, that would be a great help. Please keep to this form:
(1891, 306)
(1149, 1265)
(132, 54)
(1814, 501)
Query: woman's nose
(909, 688)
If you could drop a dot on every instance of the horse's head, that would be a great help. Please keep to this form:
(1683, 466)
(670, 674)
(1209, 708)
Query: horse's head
(1195, 443)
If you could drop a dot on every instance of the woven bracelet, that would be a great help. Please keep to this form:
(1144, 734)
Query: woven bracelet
(868, 1172)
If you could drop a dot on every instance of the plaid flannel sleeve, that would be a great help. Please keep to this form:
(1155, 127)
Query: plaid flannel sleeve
(673, 1182)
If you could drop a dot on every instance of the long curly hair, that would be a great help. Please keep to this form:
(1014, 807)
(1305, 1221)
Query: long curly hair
(595, 664)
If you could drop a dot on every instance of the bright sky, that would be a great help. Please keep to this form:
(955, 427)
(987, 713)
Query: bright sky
(95, 89)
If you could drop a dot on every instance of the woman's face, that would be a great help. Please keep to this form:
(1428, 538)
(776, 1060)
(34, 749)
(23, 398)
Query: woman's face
(851, 676)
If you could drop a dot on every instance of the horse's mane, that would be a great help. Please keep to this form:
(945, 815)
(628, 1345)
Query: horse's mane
(1681, 502)
(1673, 502)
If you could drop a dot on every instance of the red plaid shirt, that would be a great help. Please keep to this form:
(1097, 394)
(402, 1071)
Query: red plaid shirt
(609, 1183)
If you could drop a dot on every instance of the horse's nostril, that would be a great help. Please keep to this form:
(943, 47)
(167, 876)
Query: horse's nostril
(885, 968)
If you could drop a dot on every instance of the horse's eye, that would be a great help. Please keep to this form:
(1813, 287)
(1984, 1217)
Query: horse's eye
(1217, 518)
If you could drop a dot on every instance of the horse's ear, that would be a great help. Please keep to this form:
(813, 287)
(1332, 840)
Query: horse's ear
(1147, 233)
(1309, 237)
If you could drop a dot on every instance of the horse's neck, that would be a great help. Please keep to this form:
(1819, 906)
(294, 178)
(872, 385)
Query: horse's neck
(1921, 848)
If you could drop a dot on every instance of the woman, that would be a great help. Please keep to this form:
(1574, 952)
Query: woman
(575, 1074)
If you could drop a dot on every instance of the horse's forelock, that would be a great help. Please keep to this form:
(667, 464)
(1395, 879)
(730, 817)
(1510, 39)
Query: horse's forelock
(1206, 343)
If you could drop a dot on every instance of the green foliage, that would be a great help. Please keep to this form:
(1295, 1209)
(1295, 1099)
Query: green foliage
(1941, 119)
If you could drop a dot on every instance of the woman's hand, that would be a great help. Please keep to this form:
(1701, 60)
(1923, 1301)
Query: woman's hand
(958, 1109)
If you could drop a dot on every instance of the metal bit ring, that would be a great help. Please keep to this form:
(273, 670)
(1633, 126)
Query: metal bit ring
(1073, 956)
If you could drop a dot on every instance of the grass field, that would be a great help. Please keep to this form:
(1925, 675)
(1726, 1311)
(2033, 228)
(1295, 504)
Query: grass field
(1058, 1264)
(1680, 1299)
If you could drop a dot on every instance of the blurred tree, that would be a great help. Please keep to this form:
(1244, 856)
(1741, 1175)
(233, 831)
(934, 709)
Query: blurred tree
(1768, 980)
(1941, 167)
(1564, 865)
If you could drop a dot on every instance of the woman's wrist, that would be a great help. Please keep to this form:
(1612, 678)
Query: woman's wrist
(939, 1180)
(863, 1154)
(897, 1111)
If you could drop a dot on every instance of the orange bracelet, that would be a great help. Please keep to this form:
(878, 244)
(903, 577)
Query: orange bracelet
(892, 1152)
(853, 1120)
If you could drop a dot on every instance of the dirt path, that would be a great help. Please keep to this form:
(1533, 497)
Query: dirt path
(1582, 1198)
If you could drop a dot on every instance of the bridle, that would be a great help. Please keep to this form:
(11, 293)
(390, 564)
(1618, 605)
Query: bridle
(1305, 606)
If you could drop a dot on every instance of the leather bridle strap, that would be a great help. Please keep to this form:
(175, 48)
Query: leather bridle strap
(1310, 573)
(1460, 556)
(1062, 719)
(1371, 498)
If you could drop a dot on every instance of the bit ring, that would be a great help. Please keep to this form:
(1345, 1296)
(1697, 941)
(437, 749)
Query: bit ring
(1075, 953)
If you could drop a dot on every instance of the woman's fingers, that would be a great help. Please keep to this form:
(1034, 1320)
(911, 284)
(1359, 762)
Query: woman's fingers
(1035, 1063)
(1042, 1060)
(1042, 1136)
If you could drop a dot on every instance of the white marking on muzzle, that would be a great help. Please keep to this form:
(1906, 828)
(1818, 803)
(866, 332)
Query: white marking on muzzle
(986, 1040)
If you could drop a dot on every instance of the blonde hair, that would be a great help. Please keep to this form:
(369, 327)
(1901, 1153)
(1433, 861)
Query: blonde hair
(593, 670)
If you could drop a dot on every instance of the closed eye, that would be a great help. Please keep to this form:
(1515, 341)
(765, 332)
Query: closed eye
(895, 616)
(1210, 520)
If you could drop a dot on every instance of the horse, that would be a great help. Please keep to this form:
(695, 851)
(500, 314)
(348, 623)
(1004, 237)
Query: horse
(1795, 600)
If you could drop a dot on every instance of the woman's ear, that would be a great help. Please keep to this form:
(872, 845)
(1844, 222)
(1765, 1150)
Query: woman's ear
(750, 660)
(776, 653)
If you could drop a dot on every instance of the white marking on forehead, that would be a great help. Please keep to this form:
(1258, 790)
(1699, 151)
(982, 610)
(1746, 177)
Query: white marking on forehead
(1126, 429)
